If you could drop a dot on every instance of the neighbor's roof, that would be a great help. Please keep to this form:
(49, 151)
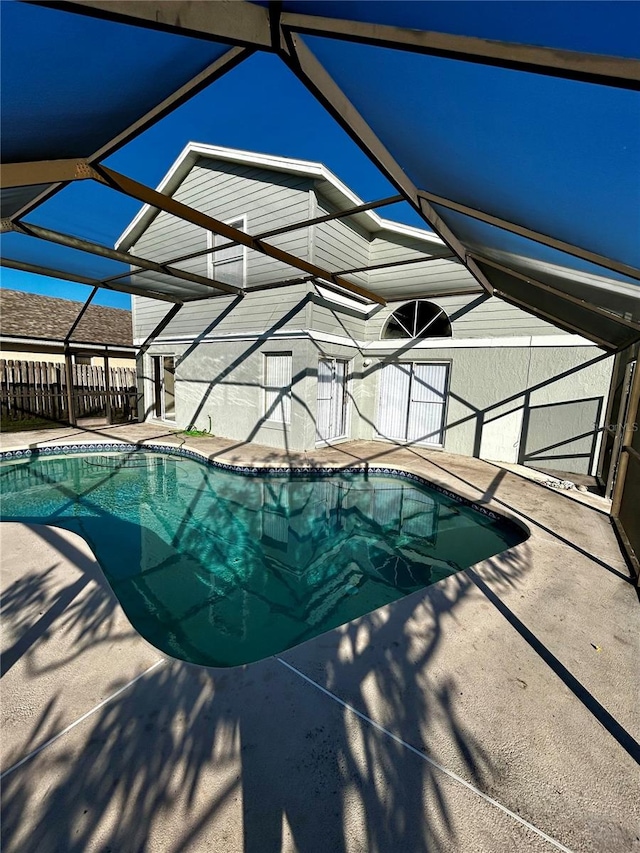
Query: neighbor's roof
(30, 315)
(516, 136)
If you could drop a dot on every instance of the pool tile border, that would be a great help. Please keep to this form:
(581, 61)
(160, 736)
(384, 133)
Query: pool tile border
(247, 470)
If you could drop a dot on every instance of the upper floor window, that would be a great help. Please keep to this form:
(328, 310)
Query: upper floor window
(227, 265)
(417, 319)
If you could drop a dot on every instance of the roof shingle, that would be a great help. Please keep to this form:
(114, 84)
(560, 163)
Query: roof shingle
(34, 316)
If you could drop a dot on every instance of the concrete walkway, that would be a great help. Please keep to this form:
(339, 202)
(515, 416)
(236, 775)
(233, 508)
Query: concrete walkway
(494, 711)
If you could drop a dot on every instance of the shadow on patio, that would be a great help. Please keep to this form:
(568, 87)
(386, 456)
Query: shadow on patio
(175, 761)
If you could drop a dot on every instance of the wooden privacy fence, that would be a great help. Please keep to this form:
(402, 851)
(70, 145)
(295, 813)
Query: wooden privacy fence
(38, 389)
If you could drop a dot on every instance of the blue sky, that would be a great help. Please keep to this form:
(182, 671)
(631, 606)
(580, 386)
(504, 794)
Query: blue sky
(259, 106)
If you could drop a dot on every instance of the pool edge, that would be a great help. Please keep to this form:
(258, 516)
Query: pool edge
(255, 470)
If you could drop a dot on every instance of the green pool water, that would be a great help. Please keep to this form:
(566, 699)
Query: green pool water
(220, 568)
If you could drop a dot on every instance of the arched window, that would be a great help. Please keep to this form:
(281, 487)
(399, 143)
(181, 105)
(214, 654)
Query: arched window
(417, 319)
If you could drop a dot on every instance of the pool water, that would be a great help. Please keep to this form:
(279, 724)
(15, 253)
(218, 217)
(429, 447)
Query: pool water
(219, 568)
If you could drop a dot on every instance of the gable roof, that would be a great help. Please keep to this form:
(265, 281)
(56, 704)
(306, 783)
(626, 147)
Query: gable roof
(328, 184)
(30, 315)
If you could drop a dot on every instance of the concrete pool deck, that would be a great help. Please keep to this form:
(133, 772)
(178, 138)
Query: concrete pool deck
(496, 710)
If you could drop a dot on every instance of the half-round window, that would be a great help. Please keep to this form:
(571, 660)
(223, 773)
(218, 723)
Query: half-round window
(417, 319)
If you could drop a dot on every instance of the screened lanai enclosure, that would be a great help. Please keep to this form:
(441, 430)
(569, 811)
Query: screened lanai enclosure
(514, 137)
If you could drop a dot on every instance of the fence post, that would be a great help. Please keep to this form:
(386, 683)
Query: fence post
(53, 387)
(107, 387)
(68, 371)
(4, 391)
(31, 390)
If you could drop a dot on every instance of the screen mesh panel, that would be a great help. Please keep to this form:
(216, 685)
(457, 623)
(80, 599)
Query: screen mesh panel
(70, 83)
(19, 247)
(13, 199)
(569, 316)
(604, 27)
(556, 156)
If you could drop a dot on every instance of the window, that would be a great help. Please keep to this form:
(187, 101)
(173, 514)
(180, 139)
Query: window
(227, 265)
(277, 387)
(417, 319)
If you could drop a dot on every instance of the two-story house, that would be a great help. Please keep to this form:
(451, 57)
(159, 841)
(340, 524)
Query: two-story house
(293, 361)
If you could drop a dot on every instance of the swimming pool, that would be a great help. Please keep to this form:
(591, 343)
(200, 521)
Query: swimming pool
(221, 568)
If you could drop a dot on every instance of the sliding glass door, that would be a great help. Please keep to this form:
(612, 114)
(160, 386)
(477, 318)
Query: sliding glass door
(411, 402)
